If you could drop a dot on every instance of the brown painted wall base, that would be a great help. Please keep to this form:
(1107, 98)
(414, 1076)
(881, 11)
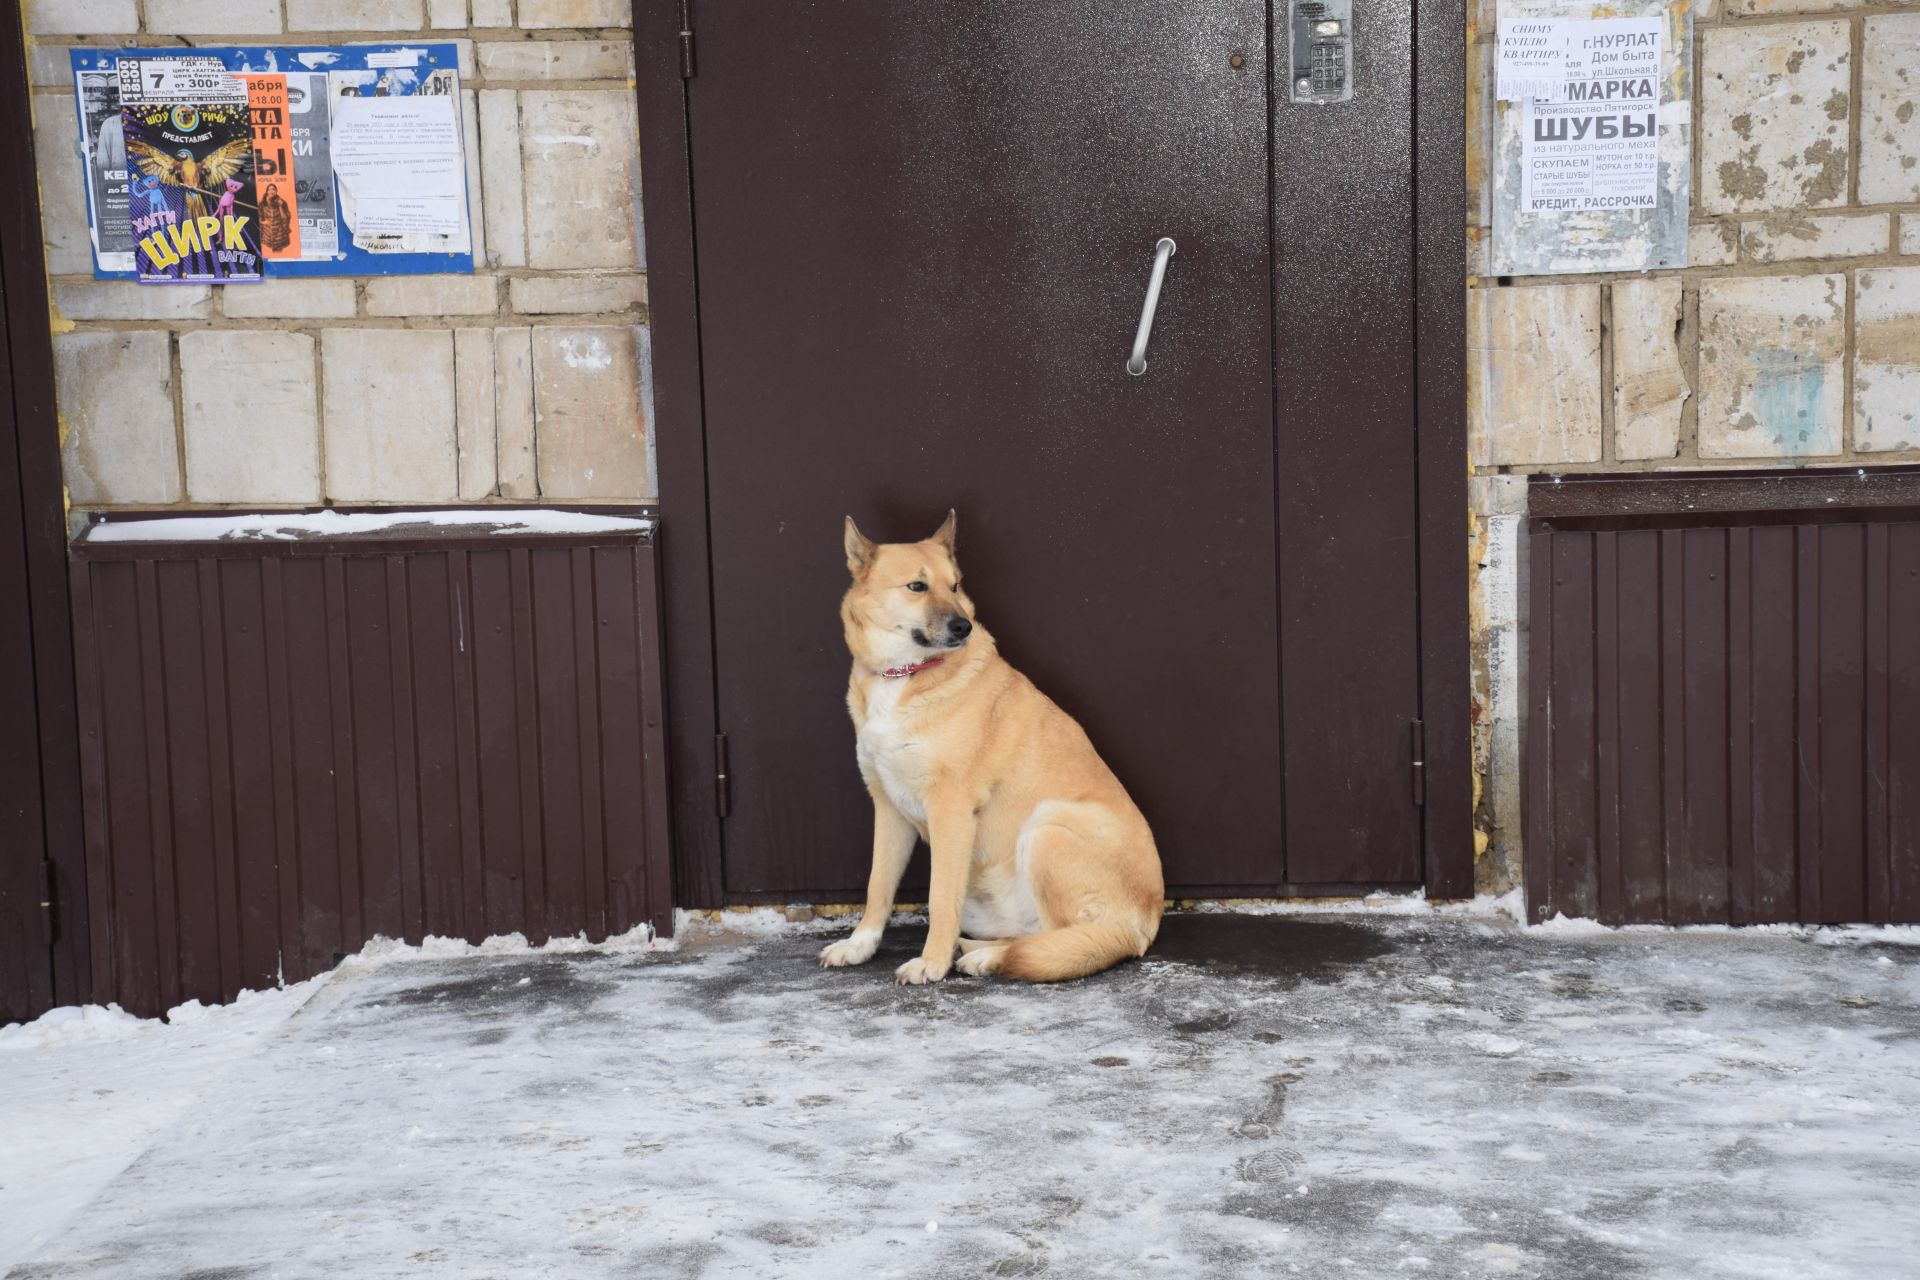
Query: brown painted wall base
(290, 748)
(1724, 716)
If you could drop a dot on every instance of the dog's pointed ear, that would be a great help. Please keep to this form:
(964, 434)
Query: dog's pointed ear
(859, 549)
(948, 531)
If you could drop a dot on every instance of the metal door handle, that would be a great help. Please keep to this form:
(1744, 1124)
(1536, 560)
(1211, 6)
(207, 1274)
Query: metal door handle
(1137, 362)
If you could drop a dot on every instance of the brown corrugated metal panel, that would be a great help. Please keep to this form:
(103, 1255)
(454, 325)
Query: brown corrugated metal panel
(1724, 721)
(290, 748)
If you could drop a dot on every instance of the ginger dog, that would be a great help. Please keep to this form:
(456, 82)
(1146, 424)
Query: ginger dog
(1039, 856)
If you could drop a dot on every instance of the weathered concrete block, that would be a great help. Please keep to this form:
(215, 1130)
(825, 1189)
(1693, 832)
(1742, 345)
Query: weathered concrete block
(213, 17)
(556, 60)
(1910, 234)
(1772, 366)
(1789, 237)
(248, 417)
(1773, 121)
(586, 294)
(115, 398)
(575, 13)
(446, 14)
(433, 296)
(580, 152)
(1713, 244)
(513, 412)
(284, 298)
(501, 177)
(473, 377)
(82, 17)
(125, 300)
(1890, 110)
(492, 13)
(1497, 495)
(389, 415)
(476, 206)
(1746, 8)
(1533, 374)
(63, 198)
(356, 15)
(1886, 358)
(49, 67)
(589, 413)
(1649, 378)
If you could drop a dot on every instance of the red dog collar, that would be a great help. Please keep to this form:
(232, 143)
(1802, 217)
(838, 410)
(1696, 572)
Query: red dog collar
(896, 673)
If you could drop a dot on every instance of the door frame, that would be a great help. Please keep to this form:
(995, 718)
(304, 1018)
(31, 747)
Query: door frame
(666, 55)
(30, 464)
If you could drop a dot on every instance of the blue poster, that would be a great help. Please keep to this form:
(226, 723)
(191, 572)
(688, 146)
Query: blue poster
(337, 234)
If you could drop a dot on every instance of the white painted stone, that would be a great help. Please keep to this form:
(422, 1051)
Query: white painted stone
(476, 206)
(580, 151)
(584, 294)
(49, 66)
(248, 418)
(125, 300)
(1713, 244)
(1747, 8)
(1501, 606)
(513, 412)
(506, 60)
(1910, 234)
(575, 13)
(1497, 495)
(213, 17)
(446, 295)
(1890, 110)
(1886, 358)
(589, 415)
(1772, 366)
(1649, 380)
(82, 17)
(474, 378)
(446, 14)
(492, 13)
(63, 196)
(389, 416)
(1790, 237)
(355, 15)
(1773, 121)
(501, 176)
(287, 298)
(1533, 374)
(115, 397)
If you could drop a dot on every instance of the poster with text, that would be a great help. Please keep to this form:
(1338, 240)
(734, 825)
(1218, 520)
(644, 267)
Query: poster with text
(193, 211)
(103, 142)
(273, 165)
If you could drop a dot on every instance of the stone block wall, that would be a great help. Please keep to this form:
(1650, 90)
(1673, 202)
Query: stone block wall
(1791, 339)
(525, 381)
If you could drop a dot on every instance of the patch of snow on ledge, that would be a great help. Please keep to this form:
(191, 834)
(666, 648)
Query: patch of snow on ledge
(295, 526)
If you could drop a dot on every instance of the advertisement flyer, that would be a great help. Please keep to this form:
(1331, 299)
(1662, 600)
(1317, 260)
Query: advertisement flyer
(399, 158)
(103, 142)
(273, 165)
(1590, 126)
(193, 209)
(313, 200)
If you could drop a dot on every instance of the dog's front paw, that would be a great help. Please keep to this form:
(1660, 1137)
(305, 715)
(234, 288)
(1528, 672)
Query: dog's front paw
(857, 949)
(919, 970)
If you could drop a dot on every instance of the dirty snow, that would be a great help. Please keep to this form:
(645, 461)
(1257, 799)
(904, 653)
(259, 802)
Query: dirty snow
(1377, 1094)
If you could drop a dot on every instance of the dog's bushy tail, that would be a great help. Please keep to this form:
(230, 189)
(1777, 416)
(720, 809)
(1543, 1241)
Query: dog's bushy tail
(1073, 951)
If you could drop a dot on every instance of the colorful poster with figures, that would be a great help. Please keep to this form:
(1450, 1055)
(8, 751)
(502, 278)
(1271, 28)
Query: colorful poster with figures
(273, 165)
(189, 137)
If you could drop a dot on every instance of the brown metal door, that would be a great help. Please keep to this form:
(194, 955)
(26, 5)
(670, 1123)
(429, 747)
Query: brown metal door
(923, 237)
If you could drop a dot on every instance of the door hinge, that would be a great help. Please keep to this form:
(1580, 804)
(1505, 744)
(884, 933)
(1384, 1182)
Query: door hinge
(686, 40)
(722, 784)
(49, 903)
(1419, 740)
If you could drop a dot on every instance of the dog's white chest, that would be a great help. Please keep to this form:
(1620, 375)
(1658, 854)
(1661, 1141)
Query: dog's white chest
(886, 749)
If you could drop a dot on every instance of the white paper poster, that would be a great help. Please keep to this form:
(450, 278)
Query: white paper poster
(1590, 125)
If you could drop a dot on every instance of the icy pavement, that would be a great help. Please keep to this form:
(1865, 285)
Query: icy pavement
(1262, 1096)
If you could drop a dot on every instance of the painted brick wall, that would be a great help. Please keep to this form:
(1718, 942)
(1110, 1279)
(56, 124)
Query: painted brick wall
(1792, 338)
(526, 381)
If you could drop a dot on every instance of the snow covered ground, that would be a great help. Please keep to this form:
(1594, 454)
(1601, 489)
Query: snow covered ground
(1277, 1094)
